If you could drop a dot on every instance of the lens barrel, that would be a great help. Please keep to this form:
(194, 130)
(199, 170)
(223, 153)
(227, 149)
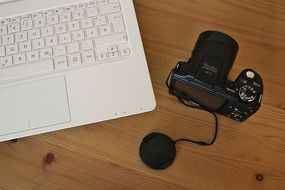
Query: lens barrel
(214, 50)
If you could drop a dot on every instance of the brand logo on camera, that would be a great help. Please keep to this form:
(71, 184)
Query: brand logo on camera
(210, 68)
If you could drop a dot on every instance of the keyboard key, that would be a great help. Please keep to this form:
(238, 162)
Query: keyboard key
(91, 12)
(92, 32)
(80, 6)
(48, 12)
(33, 56)
(6, 61)
(21, 36)
(73, 47)
(51, 41)
(122, 47)
(125, 52)
(34, 34)
(19, 58)
(60, 62)
(59, 10)
(118, 27)
(91, 4)
(45, 53)
(65, 17)
(73, 26)
(59, 50)
(105, 30)
(2, 51)
(38, 44)
(100, 20)
(67, 9)
(53, 19)
(78, 35)
(40, 22)
(26, 17)
(27, 25)
(5, 21)
(25, 46)
(101, 50)
(60, 28)
(110, 40)
(12, 49)
(114, 17)
(113, 55)
(3, 30)
(74, 59)
(110, 8)
(112, 49)
(79, 14)
(102, 56)
(37, 15)
(12, 28)
(86, 45)
(26, 70)
(102, 2)
(117, 22)
(47, 31)
(86, 23)
(88, 57)
(8, 39)
(70, 8)
(64, 38)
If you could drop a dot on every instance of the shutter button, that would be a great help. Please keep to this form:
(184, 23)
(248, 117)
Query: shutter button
(250, 74)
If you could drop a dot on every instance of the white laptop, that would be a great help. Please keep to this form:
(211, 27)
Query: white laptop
(66, 63)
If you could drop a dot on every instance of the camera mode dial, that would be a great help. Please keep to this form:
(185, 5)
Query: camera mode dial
(247, 93)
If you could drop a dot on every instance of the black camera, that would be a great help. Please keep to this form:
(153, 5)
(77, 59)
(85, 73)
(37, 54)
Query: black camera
(203, 79)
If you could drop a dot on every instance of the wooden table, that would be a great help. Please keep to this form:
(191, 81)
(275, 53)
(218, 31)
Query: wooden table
(248, 155)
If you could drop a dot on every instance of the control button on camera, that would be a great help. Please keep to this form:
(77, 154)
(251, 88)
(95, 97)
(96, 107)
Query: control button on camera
(250, 109)
(260, 97)
(247, 93)
(250, 74)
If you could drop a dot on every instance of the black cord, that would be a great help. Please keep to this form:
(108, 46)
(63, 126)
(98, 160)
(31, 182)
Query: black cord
(193, 104)
(197, 106)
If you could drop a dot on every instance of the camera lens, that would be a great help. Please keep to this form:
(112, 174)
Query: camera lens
(213, 57)
(219, 37)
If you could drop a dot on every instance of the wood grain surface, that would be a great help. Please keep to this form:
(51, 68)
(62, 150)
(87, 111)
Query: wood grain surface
(248, 155)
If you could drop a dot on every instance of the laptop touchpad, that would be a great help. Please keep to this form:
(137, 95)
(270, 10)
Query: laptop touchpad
(33, 105)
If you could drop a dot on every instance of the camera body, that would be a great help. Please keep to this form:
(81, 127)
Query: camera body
(203, 79)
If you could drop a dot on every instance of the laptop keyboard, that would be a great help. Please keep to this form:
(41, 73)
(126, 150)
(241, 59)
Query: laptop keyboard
(62, 38)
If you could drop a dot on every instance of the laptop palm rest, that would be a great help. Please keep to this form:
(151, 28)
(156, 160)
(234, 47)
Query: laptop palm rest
(33, 105)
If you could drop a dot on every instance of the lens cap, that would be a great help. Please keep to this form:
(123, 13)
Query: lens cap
(157, 151)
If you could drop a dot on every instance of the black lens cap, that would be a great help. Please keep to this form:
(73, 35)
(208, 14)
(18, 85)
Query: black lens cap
(157, 151)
